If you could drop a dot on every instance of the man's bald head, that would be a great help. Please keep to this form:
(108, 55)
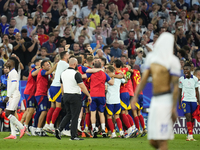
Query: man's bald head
(17, 36)
(73, 62)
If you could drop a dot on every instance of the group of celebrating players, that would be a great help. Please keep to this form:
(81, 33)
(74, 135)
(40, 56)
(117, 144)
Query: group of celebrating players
(111, 99)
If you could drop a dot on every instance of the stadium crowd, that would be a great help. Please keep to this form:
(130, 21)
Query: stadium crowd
(98, 33)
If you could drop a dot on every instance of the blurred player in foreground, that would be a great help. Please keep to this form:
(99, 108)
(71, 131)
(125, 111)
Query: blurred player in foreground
(165, 70)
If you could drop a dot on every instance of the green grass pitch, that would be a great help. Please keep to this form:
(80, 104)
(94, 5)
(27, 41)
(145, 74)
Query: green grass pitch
(51, 143)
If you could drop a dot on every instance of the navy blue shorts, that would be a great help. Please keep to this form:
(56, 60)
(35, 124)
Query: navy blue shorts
(98, 102)
(188, 107)
(30, 101)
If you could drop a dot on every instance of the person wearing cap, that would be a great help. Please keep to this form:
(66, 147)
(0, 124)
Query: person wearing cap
(195, 5)
(94, 18)
(139, 59)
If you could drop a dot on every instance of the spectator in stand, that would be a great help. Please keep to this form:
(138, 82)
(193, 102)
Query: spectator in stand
(19, 48)
(180, 37)
(81, 40)
(133, 14)
(31, 48)
(41, 36)
(61, 27)
(106, 53)
(62, 44)
(52, 23)
(85, 11)
(76, 49)
(4, 23)
(97, 45)
(114, 13)
(115, 52)
(102, 11)
(126, 21)
(139, 59)
(57, 37)
(12, 23)
(94, 18)
(50, 46)
(113, 37)
(21, 20)
(29, 27)
(69, 35)
(39, 11)
(10, 9)
(8, 47)
(53, 9)
(26, 72)
(70, 10)
(45, 4)
(24, 35)
(132, 62)
(119, 3)
(130, 43)
(11, 35)
(143, 13)
(32, 6)
(123, 48)
(2, 3)
(106, 29)
(122, 31)
(43, 55)
(3, 54)
(98, 33)
(47, 28)
(181, 4)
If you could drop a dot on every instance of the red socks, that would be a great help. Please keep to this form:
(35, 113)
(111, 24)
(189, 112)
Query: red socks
(87, 119)
(142, 121)
(190, 128)
(125, 120)
(130, 119)
(55, 114)
(111, 125)
(137, 124)
(49, 115)
(119, 124)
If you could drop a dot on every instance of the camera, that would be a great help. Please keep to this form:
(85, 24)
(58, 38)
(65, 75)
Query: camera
(143, 3)
(193, 25)
(56, 2)
(2, 87)
(92, 19)
(105, 25)
(84, 28)
(40, 7)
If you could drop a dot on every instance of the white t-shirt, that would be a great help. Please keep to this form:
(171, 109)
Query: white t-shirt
(113, 92)
(62, 65)
(13, 77)
(188, 88)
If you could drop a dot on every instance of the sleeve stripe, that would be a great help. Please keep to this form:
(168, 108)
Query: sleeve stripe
(14, 81)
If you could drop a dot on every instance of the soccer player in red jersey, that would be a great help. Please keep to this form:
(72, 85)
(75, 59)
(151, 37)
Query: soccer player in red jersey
(139, 105)
(42, 85)
(97, 92)
(29, 92)
(125, 100)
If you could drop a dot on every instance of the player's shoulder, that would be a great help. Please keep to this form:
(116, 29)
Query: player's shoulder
(181, 78)
(195, 78)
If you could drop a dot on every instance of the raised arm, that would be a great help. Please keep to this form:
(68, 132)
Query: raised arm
(51, 70)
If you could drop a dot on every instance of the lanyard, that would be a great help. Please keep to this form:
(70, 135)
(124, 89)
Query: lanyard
(29, 30)
(12, 12)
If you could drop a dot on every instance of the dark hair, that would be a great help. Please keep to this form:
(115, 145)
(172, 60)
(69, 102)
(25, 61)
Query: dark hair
(182, 52)
(24, 31)
(79, 59)
(126, 12)
(133, 57)
(61, 40)
(85, 55)
(44, 49)
(111, 68)
(105, 47)
(104, 60)
(123, 56)
(97, 64)
(30, 18)
(16, 62)
(37, 60)
(10, 27)
(62, 54)
(187, 64)
(42, 63)
(118, 63)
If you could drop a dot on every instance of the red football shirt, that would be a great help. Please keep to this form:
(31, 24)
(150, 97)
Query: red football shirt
(136, 79)
(45, 4)
(43, 38)
(97, 83)
(130, 87)
(41, 83)
(123, 87)
(31, 84)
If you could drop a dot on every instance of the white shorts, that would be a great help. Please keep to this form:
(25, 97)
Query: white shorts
(160, 125)
(12, 103)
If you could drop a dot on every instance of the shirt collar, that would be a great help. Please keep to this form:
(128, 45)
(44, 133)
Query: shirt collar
(71, 68)
(190, 77)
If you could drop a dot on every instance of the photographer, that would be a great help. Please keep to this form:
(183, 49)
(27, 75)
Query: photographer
(8, 47)
(106, 29)
(94, 18)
